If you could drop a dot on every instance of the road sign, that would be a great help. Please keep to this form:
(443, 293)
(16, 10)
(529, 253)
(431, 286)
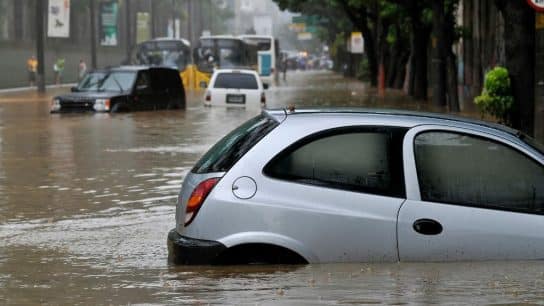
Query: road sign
(357, 43)
(297, 27)
(540, 21)
(305, 36)
(538, 5)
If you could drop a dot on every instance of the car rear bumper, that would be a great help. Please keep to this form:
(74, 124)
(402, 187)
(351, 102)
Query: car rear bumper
(188, 251)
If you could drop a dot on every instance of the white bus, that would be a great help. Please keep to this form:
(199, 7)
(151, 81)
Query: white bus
(268, 56)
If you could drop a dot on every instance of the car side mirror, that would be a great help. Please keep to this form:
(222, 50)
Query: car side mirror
(74, 89)
(265, 86)
(203, 85)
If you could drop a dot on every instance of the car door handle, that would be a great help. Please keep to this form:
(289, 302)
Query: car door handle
(427, 227)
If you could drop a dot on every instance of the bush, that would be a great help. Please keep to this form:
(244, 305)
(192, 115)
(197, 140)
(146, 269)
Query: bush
(496, 98)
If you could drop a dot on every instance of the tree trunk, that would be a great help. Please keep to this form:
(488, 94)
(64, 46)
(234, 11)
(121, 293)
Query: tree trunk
(519, 35)
(453, 94)
(418, 82)
(439, 53)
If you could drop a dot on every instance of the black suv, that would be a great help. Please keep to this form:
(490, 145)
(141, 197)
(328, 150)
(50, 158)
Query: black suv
(123, 89)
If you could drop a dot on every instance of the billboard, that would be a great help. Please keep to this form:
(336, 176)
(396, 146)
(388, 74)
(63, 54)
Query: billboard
(143, 31)
(109, 13)
(58, 16)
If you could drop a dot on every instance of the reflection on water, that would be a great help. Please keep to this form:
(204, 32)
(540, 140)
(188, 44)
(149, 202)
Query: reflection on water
(86, 202)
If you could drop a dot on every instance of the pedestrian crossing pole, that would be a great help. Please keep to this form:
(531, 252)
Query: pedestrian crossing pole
(40, 28)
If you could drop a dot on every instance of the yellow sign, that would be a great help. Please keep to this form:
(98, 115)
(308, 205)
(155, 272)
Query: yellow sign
(540, 21)
(297, 27)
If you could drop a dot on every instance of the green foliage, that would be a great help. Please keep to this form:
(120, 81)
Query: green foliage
(496, 98)
(363, 70)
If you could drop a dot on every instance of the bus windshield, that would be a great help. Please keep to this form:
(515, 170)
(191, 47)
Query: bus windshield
(223, 53)
(168, 53)
(263, 44)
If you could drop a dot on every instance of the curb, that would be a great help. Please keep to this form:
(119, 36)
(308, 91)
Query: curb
(28, 88)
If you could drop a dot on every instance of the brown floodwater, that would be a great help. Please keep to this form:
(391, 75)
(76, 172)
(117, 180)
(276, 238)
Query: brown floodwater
(86, 202)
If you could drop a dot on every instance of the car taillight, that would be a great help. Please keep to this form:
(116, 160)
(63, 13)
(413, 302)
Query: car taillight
(208, 96)
(263, 98)
(197, 198)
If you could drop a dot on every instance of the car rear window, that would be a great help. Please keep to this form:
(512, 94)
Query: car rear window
(223, 155)
(236, 80)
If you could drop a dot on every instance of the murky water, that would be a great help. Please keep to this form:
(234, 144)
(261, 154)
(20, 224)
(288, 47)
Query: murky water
(86, 202)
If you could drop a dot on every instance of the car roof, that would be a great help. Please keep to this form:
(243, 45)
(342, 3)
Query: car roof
(234, 70)
(221, 37)
(182, 40)
(131, 68)
(400, 117)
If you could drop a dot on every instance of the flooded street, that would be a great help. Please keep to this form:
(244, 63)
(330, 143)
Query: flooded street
(86, 202)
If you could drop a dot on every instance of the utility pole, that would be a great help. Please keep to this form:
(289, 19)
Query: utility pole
(40, 28)
(93, 34)
(128, 31)
(190, 20)
(153, 9)
(174, 18)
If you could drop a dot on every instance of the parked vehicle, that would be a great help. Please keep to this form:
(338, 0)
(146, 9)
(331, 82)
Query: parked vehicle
(122, 89)
(317, 186)
(268, 55)
(235, 87)
(165, 52)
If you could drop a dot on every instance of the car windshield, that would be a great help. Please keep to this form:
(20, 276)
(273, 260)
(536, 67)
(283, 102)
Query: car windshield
(231, 148)
(236, 81)
(118, 81)
(91, 81)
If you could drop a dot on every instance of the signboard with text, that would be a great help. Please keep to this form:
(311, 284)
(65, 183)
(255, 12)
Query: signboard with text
(58, 14)
(540, 21)
(143, 32)
(109, 12)
(356, 43)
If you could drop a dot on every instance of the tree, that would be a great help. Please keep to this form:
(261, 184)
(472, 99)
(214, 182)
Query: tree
(519, 39)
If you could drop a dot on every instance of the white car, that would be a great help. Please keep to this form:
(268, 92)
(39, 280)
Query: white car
(235, 87)
(319, 186)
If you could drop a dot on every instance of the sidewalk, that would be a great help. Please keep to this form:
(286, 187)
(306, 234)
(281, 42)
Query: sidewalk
(31, 94)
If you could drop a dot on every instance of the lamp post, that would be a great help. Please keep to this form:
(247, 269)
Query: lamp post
(40, 45)
(93, 34)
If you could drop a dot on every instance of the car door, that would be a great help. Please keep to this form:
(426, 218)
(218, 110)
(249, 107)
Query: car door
(470, 196)
(160, 82)
(143, 92)
(337, 192)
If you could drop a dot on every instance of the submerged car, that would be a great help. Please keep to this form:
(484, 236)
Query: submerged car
(320, 186)
(123, 89)
(235, 87)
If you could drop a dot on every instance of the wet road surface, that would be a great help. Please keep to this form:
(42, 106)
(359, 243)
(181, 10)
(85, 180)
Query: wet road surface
(86, 202)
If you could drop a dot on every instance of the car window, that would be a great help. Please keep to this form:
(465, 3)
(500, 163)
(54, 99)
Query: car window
(357, 159)
(91, 81)
(118, 81)
(143, 82)
(231, 148)
(469, 170)
(236, 80)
